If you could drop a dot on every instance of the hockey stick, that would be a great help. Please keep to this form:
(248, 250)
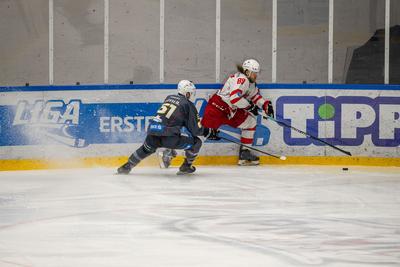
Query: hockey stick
(306, 134)
(255, 149)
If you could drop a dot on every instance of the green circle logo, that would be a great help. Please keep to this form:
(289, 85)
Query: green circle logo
(326, 111)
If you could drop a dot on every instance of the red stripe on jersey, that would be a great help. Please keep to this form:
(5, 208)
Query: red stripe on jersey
(235, 100)
(246, 141)
(235, 92)
(256, 98)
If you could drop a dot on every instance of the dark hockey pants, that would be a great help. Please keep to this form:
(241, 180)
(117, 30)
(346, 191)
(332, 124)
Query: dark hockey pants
(191, 145)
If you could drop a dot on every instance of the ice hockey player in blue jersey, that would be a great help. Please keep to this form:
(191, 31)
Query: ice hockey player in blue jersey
(165, 130)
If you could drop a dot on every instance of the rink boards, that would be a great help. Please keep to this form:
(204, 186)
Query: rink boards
(62, 126)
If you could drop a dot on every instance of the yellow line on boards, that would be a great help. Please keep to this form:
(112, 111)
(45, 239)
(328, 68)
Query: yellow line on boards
(35, 164)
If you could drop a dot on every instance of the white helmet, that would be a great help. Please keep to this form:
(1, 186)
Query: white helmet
(185, 87)
(251, 65)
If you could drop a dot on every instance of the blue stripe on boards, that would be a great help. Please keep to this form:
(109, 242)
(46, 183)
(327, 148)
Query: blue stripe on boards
(169, 86)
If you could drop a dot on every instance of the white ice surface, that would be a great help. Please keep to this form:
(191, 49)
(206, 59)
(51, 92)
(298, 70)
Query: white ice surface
(220, 216)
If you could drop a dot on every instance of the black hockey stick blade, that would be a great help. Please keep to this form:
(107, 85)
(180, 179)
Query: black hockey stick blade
(306, 134)
(255, 149)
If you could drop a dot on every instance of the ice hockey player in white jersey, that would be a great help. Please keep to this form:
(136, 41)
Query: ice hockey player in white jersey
(237, 104)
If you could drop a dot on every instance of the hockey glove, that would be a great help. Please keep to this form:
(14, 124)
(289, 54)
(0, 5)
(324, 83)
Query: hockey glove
(211, 134)
(252, 109)
(269, 110)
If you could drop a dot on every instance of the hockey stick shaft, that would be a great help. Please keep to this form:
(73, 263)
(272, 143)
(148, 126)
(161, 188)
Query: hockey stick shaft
(252, 148)
(306, 134)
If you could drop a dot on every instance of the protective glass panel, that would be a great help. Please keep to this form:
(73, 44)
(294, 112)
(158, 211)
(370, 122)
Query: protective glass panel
(25, 42)
(134, 51)
(78, 41)
(359, 41)
(246, 30)
(394, 69)
(189, 40)
(302, 55)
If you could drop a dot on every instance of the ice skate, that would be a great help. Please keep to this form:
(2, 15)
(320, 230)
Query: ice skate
(125, 169)
(165, 157)
(246, 158)
(186, 168)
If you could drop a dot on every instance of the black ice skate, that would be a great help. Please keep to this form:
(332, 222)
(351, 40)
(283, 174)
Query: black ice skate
(186, 168)
(126, 168)
(165, 157)
(246, 158)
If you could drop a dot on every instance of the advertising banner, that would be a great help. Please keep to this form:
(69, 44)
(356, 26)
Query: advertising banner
(364, 122)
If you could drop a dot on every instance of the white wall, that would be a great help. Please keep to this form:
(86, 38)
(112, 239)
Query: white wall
(189, 39)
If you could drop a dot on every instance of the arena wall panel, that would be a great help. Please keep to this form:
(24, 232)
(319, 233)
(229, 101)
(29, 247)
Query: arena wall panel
(73, 126)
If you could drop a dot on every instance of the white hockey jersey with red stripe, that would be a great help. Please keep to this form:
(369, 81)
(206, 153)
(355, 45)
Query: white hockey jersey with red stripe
(238, 92)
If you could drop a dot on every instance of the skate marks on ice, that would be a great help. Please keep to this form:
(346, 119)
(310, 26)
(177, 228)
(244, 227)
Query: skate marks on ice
(300, 241)
(340, 226)
(279, 214)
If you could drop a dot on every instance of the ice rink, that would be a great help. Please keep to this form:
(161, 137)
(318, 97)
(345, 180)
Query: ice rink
(220, 216)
